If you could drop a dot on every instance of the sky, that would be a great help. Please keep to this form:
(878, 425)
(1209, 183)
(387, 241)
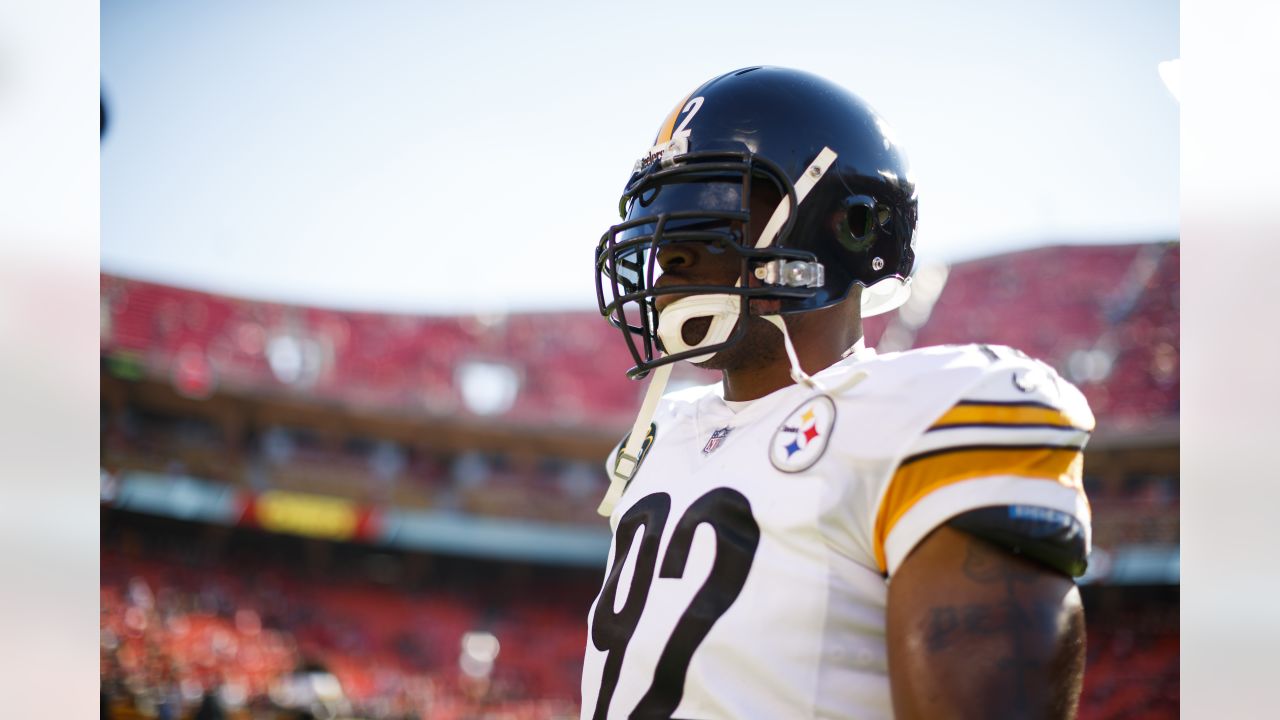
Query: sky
(452, 157)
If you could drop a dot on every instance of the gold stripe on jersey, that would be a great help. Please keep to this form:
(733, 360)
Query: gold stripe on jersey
(979, 413)
(917, 477)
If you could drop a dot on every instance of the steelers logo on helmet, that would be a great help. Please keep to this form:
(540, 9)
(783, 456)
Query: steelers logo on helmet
(802, 438)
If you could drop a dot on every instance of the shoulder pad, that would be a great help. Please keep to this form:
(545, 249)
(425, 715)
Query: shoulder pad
(905, 392)
(1015, 402)
(1004, 431)
(1014, 379)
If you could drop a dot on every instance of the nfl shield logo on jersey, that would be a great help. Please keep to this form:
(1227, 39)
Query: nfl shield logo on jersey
(717, 439)
(802, 439)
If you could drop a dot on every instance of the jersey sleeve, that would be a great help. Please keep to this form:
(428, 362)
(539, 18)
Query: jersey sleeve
(1014, 438)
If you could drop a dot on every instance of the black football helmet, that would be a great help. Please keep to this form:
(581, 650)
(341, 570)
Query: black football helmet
(854, 225)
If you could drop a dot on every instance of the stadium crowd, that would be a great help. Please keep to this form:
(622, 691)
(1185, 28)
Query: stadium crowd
(265, 627)
(257, 625)
(204, 621)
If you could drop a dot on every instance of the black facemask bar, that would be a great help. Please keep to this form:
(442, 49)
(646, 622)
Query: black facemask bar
(628, 266)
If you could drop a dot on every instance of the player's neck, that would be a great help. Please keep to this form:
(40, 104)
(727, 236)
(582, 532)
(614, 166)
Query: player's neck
(819, 343)
(756, 382)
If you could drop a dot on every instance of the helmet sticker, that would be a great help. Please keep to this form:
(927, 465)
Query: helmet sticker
(665, 152)
(690, 109)
(671, 143)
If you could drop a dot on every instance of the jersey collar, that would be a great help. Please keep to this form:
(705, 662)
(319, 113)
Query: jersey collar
(714, 405)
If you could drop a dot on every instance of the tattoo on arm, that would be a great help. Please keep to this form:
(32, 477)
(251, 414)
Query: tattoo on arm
(1029, 627)
(949, 623)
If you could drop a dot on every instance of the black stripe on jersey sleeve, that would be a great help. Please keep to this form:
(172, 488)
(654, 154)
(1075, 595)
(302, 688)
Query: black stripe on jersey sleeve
(1008, 426)
(964, 448)
(1012, 403)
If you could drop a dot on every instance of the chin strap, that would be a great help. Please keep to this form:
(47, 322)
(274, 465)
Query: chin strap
(812, 174)
(860, 344)
(816, 170)
(624, 468)
(803, 378)
(721, 308)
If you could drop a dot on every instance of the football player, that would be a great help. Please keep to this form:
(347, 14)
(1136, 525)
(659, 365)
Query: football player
(828, 532)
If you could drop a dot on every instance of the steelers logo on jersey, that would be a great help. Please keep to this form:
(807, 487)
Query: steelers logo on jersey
(803, 436)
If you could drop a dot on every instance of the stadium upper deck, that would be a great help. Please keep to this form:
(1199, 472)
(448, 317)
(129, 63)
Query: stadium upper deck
(1105, 316)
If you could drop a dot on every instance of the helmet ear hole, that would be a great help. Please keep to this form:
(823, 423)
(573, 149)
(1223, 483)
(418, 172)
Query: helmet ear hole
(859, 218)
(857, 231)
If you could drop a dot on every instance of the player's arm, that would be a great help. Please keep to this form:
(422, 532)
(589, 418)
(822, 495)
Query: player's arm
(980, 531)
(975, 631)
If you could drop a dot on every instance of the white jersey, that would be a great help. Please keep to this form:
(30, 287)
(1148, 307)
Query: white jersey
(748, 571)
